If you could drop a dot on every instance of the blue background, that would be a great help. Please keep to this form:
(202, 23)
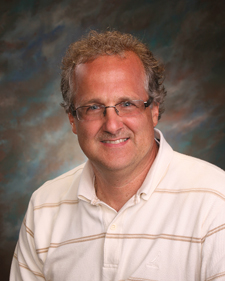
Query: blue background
(36, 143)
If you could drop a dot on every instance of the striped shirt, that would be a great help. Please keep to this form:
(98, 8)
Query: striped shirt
(172, 229)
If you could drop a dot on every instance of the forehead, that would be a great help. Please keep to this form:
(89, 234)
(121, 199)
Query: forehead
(128, 62)
(110, 75)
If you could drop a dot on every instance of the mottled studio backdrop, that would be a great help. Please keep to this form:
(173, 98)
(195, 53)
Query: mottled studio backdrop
(36, 143)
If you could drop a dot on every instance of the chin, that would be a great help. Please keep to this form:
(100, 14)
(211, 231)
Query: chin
(112, 165)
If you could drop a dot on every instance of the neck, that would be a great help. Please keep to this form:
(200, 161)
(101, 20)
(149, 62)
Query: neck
(115, 188)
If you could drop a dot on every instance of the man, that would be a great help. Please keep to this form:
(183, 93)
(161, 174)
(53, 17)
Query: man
(136, 210)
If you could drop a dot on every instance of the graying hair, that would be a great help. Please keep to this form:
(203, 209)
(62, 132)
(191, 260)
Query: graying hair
(111, 43)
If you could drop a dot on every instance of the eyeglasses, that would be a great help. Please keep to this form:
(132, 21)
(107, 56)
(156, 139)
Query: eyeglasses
(98, 111)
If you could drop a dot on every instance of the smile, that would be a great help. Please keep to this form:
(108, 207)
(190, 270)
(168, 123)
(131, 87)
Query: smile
(115, 141)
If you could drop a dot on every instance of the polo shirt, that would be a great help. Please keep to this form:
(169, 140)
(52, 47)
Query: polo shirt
(172, 229)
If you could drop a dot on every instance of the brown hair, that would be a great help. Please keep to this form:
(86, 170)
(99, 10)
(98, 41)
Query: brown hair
(111, 43)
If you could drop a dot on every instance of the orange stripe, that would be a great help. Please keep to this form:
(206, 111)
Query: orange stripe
(213, 231)
(155, 236)
(72, 241)
(28, 230)
(216, 276)
(134, 236)
(26, 267)
(53, 205)
(192, 190)
(121, 236)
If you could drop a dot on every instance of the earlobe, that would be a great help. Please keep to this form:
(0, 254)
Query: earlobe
(155, 114)
(72, 123)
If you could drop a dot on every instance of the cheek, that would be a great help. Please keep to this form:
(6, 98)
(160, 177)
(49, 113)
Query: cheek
(144, 131)
(140, 124)
(86, 131)
(84, 139)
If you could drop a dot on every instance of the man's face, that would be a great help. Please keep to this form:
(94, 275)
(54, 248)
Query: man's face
(114, 142)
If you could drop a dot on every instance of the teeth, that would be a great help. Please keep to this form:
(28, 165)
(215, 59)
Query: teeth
(116, 141)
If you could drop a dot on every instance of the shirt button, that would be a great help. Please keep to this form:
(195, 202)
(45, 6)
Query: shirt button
(113, 227)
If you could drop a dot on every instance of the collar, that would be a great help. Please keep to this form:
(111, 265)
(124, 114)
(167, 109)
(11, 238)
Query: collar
(86, 189)
(159, 167)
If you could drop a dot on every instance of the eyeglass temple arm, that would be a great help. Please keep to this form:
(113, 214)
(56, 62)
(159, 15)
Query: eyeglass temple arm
(148, 102)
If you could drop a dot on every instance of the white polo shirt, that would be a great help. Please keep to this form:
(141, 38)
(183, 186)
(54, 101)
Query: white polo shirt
(172, 229)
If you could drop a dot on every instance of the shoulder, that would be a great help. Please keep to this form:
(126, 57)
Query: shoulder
(56, 189)
(197, 171)
(196, 165)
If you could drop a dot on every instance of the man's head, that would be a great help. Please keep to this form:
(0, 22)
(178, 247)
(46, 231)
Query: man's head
(108, 82)
(110, 43)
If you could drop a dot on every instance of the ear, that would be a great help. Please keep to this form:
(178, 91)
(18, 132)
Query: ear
(72, 123)
(155, 114)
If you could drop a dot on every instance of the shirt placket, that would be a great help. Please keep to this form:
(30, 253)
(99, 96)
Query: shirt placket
(114, 225)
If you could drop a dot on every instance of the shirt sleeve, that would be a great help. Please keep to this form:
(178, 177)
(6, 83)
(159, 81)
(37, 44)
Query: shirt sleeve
(213, 244)
(26, 265)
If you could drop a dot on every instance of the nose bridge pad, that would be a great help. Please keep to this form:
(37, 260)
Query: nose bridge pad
(113, 106)
(117, 111)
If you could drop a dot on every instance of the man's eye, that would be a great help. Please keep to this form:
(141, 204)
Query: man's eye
(127, 104)
(94, 107)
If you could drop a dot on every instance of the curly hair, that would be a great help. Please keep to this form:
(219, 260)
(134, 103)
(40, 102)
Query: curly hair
(111, 43)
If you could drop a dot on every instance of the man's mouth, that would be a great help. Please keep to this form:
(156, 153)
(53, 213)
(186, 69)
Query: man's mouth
(115, 141)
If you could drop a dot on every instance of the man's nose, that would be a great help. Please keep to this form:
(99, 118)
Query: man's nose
(111, 106)
(112, 121)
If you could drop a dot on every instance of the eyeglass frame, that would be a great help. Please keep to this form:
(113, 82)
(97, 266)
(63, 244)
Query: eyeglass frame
(74, 111)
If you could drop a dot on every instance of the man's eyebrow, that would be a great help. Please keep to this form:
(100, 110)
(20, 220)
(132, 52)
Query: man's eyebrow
(125, 98)
(95, 100)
